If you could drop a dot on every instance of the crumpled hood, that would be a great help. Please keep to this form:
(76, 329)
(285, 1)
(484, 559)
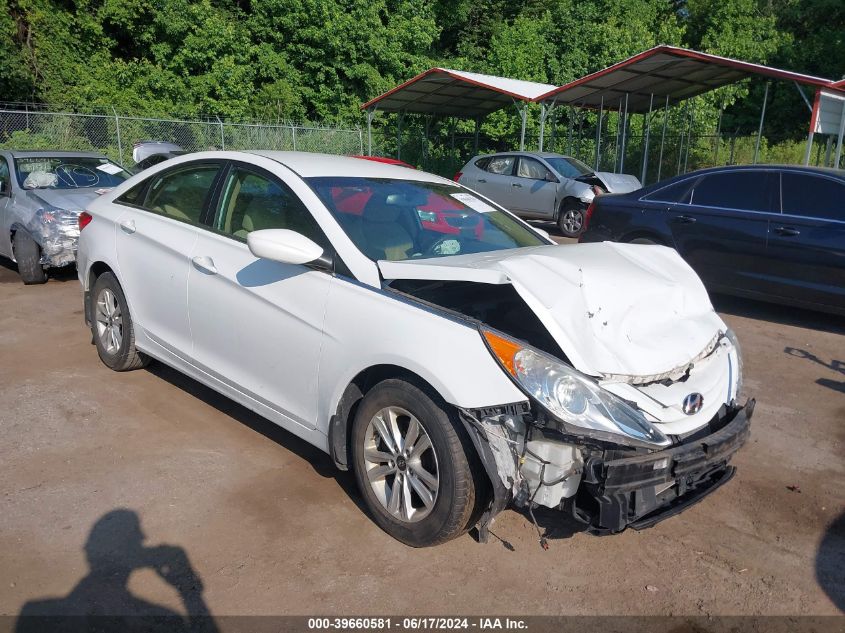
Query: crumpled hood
(614, 309)
(618, 183)
(68, 199)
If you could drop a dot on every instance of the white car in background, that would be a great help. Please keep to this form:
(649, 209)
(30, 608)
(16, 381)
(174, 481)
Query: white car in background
(454, 373)
(543, 185)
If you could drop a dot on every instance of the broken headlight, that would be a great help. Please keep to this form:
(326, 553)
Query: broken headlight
(736, 365)
(575, 400)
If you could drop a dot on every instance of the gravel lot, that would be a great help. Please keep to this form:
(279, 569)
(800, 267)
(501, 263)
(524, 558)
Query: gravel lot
(271, 528)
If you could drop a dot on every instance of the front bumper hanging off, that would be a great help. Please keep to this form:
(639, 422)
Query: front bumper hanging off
(641, 491)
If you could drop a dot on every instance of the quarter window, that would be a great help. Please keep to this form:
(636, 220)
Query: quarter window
(252, 202)
(502, 165)
(678, 193)
(133, 196)
(747, 190)
(5, 179)
(182, 194)
(812, 196)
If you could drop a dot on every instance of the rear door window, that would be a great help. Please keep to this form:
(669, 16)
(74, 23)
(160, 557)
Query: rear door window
(812, 196)
(182, 194)
(745, 190)
(502, 165)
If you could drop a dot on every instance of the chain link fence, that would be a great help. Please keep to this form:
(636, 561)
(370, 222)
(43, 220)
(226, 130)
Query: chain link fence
(115, 135)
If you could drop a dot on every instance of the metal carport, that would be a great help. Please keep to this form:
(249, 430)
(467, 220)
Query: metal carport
(456, 93)
(662, 76)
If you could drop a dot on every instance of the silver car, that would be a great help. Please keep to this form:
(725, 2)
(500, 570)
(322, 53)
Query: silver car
(41, 196)
(542, 185)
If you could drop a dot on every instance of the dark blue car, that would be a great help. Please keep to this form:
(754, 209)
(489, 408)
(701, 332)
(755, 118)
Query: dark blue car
(767, 232)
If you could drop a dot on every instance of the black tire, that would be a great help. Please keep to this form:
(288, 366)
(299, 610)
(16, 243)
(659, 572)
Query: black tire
(643, 240)
(123, 355)
(458, 468)
(28, 257)
(570, 218)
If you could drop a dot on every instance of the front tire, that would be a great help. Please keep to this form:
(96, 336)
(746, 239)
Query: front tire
(570, 219)
(112, 326)
(412, 464)
(28, 257)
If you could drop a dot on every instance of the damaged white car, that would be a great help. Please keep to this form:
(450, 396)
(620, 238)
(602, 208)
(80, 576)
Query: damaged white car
(455, 367)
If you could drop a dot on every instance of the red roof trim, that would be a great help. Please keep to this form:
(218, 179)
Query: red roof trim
(717, 60)
(446, 72)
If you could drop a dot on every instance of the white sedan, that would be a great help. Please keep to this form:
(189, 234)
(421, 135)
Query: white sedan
(448, 353)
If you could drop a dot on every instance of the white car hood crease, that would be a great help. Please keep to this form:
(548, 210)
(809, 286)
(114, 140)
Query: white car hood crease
(614, 309)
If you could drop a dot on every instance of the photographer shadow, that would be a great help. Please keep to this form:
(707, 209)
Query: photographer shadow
(102, 601)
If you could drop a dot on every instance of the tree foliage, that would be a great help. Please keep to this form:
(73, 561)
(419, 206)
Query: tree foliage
(319, 59)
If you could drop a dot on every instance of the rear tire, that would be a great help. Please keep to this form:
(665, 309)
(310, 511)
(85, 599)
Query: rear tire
(112, 327)
(570, 219)
(420, 482)
(28, 256)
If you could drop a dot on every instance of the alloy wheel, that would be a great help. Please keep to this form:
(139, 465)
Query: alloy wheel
(109, 321)
(572, 220)
(401, 465)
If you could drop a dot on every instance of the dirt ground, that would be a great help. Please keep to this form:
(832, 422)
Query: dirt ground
(270, 527)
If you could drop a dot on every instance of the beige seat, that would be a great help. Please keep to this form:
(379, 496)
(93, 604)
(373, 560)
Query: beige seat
(383, 236)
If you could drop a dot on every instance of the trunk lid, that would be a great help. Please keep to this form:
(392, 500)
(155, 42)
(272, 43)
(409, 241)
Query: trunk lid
(614, 309)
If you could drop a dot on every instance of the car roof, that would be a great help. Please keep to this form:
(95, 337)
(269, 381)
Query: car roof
(311, 165)
(51, 154)
(525, 153)
(829, 171)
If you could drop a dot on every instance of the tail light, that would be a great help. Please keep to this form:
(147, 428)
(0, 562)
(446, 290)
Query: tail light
(84, 219)
(458, 176)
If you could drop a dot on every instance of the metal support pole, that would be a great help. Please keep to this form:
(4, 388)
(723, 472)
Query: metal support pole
(683, 131)
(624, 136)
(839, 139)
(361, 140)
(803, 96)
(452, 138)
(523, 113)
(399, 118)
(119, 144)
(616, 145)
(662, 139)
(542, 125)
(647, 134)
(370, 114)
(580, 130)
(827, 149)
(718, 135)
(569, 133)
(689, 138)
(477, 131)
(222, 138)
(760, 129)
(293, 135)
(598, 133)
(809, 148)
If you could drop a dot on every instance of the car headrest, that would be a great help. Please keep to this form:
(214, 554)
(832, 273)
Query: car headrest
(381, 212)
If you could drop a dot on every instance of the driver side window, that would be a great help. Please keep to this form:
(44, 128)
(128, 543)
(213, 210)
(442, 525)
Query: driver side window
(531, 168)
(252, 202)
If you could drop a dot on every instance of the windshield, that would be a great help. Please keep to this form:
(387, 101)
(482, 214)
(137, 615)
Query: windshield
(568, 167)
(406, 219)
(73, 172)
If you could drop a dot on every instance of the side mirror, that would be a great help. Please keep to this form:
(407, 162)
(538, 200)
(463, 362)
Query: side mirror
(550, 177)
(4, 188)
(283, 245)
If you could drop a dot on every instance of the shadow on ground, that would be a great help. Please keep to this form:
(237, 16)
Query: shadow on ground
(830, 562)
(774, 313)
(102, 601)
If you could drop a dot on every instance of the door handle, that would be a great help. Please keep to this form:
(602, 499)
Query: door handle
(516, 184)
(481, 180)
(685, 219)
(205, 264)
(787, 231)
(128, 226)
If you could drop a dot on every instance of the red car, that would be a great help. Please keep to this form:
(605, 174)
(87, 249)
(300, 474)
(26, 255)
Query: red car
(435, 215)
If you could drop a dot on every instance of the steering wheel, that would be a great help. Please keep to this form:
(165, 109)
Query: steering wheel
(431, 251)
